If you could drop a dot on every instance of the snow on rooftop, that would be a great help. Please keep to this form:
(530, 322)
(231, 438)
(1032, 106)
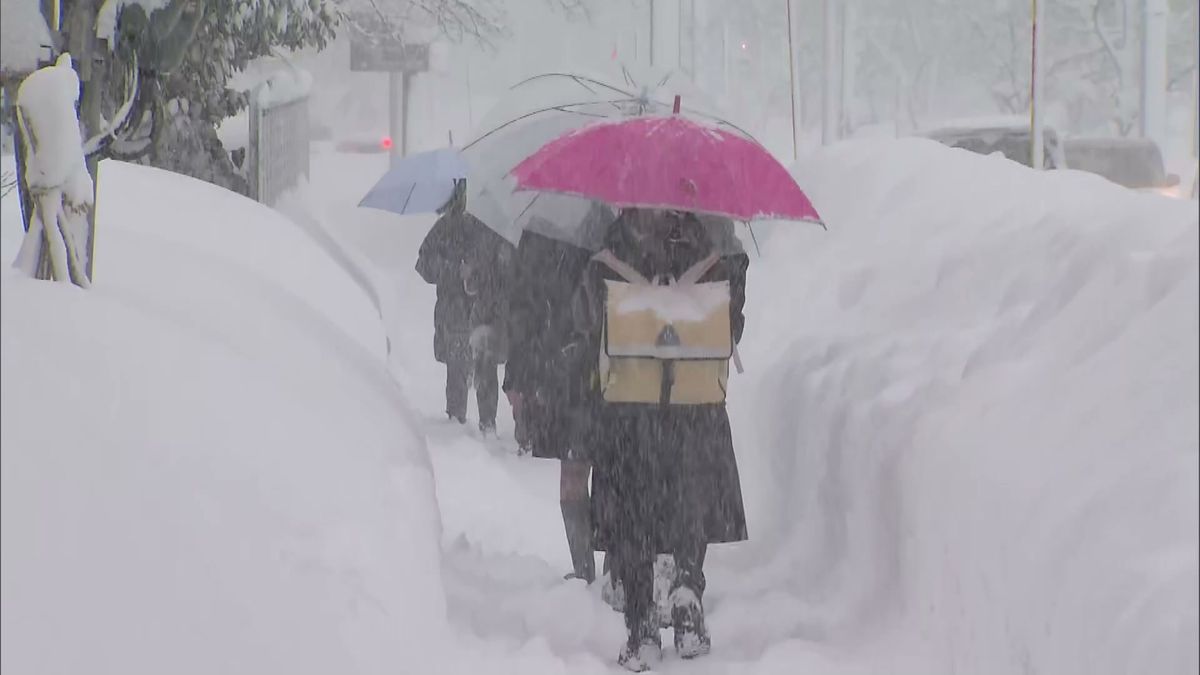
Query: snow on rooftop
(24, 37)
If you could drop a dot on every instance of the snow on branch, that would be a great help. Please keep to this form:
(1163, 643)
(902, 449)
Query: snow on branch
(55, 174)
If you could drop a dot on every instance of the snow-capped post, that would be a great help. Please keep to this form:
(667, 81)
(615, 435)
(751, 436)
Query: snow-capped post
(1038, 148)
(56, 175)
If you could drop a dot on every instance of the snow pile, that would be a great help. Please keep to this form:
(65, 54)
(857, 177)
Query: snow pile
(24, 37)
(969, 434)
(47, 101)
(205, 466)
(284, 86)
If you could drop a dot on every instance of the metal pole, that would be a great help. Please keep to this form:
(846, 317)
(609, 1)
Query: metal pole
(792, 81)
(846, 65)
(725, 56)
(829, 113)
(405, 82)
(1037, 151)
(651, 33)
(1154, 69)
(470, 109)
(1195, 81)
(395, 90)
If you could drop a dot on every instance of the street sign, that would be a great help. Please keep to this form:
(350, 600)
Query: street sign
(387, 55)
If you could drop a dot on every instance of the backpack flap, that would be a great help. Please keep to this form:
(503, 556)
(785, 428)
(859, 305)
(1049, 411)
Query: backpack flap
(677, 322)
(666, 344)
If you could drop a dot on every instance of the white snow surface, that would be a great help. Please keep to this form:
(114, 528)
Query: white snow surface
(284, 86)
(205, 466)
(23, 35)
(967, 441)
(967, 436)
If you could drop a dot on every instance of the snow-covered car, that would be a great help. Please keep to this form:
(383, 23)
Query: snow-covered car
(1007, 136)
(1135, 163)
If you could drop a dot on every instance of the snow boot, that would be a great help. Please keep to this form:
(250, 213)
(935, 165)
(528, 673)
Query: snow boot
(611, 590)
(687, 618)
(642, 649)
(664, 579)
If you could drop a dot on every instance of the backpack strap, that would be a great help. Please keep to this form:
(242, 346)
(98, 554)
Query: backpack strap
(695, 272)
(621, 267)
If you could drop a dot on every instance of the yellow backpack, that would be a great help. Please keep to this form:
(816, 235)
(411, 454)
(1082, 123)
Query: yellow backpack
(667, 344)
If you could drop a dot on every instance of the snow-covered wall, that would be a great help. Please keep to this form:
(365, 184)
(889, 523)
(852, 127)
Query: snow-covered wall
(977, 415)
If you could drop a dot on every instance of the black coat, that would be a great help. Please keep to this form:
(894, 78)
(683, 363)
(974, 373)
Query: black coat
(545, 276)
(470, 266)
(663, 475)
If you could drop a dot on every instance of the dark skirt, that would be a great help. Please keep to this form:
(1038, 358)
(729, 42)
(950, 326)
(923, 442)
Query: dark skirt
(549, 426)
(664, 477)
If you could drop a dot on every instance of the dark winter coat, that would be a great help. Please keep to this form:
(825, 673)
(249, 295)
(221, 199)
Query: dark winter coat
(469, 264)
(545, 276)
(661, 473)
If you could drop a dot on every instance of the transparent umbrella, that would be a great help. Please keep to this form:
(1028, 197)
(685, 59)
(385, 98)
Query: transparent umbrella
(544, 107)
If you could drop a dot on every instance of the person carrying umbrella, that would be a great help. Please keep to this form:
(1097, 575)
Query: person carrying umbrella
(665, 476)
(658, 316)
(470, 266)
(546, 272)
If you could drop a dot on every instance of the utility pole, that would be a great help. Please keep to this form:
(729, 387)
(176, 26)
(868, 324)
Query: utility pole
(664, 34)
(795, 90)
(1196, 80)
(1154, 70)
(830, 78)
(1038, 148)
(846, 66)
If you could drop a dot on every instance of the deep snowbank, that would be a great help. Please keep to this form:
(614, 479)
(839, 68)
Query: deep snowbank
(205, 465)
(969, 435)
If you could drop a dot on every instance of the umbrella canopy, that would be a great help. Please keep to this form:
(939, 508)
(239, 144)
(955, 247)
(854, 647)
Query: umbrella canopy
(667, 163)
(542, 108)
(420, 183)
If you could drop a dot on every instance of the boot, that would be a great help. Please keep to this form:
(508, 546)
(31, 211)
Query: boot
(643, 647)
(577, 520)
(687, 617)
(611, 590)
(664, 580)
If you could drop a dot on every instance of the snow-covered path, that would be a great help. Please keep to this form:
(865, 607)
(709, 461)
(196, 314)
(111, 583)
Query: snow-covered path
(967, 437)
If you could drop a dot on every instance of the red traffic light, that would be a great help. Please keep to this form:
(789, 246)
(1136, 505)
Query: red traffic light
(386, 143)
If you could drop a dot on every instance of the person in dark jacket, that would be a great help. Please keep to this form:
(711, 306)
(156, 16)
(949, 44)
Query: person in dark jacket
(665, 477)
(540, 324)
(469, 264)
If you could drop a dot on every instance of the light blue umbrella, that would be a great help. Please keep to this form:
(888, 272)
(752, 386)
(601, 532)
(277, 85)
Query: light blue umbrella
(420, 183)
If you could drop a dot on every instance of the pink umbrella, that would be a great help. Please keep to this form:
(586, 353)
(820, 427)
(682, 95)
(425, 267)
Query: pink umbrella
(667, 163)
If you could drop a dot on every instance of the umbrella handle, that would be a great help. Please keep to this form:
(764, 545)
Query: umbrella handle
(675, 108)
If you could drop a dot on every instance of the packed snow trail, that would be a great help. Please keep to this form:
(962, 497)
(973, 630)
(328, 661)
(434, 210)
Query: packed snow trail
(967, 436)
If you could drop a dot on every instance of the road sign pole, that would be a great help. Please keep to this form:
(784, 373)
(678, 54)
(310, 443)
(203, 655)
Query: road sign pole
(395, 123)
(405, 80)
(1037, 141)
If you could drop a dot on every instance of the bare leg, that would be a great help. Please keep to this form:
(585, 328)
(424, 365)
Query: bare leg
(576, 512)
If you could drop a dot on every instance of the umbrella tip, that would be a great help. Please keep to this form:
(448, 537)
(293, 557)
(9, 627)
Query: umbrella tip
(675, 109)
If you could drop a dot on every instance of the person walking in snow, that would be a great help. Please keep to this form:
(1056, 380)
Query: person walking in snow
(665, 478)
(546, 272)
(469, 264)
